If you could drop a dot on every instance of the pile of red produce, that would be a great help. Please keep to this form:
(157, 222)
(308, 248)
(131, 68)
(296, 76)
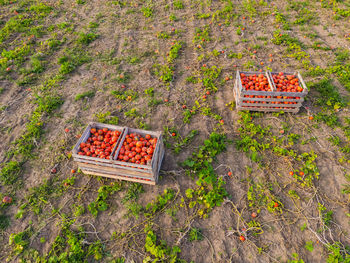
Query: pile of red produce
(137, 149)
(255, 82)
(100, 143)
(286, 83)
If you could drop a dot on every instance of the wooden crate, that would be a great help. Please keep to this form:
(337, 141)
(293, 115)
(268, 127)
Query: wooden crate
(149, 171)
(113, 168)
(268, 101)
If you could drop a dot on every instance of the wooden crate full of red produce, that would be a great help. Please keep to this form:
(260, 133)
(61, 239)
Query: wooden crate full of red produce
(269, 91)
(120, 152)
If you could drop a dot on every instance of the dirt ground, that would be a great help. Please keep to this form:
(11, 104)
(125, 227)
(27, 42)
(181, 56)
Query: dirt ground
(104, 61)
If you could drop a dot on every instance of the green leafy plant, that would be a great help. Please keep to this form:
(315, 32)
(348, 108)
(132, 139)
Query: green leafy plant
(84, 95)
(10, 172)
(147, 11)
(174, 51)
(104, 191)
(309, 246)
(86, 38)
(160, 202)
(195, 234)
(210, 191)
(159, 250)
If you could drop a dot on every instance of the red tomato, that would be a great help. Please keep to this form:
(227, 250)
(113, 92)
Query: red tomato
(150, 150)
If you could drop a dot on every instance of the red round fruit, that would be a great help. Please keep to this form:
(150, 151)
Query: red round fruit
(7, 200)
(242, 238)
(150, 150)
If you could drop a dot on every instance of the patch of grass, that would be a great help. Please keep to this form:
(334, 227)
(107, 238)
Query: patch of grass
(133, 193)
(210, 191)
(210, 76)
(202, 36)
(147, 11)
(128, 95)
(178, 4)
(159, 250)
(342, 55)
(133, 113)
(100, 204)
(164, 72)
(10, 172)
(4, 222)
(325, 214)
(195, 234)
(106, 118)
(84, 95)
(309, 246)
(163, 35)
(86, 38)
(337, 252)
(329, 94)
(174, 51)
(71, 60)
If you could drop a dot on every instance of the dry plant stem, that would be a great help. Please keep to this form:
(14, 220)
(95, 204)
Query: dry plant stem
(184, 233)
(267, 254)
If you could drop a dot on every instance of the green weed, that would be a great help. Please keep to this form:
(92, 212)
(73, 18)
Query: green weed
(84, 95)
(86, 38)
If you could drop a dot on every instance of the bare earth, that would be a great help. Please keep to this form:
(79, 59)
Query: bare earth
(103, 61)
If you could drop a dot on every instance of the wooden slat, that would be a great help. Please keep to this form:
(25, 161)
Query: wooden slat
(119, 169)
(160, 161)
(268, 109)
(119, 177)
(269, 105)
(241, 99)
